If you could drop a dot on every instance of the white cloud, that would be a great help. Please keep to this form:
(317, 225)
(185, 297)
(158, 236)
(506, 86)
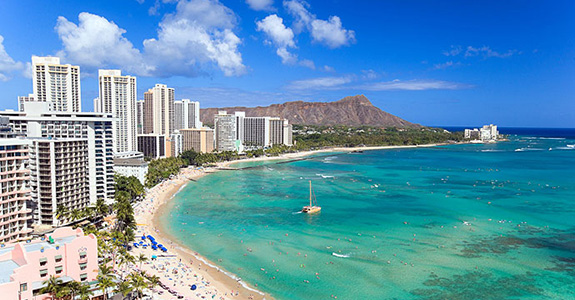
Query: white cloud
(96, 42)
(322, 83)
(414, 85)
(454, 51)
(486, 51)
(7, 63)
(265, 5)
(197, 36)
(199, 32)
(327, 68)
(299, 9)
(369, 74)
(446, 65)
(330, 32)
(280, 35)
(283, 38)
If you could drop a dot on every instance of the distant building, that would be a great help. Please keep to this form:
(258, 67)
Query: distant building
(226, 131)
(159, 110)
(118, 97)
(175, 141)
(56, 84)
(152, 145)
(256, 132)
(140, 117)
(136, 167)
(66, 253)
(485, 133)
(186, 114)
(198, 139)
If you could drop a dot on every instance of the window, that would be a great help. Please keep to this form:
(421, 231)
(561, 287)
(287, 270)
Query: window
(58, 269)
(23, 287)
(83, 266)
(83, 254)
(58, 258)
(83, 277)
(43, 272)
(43, 261)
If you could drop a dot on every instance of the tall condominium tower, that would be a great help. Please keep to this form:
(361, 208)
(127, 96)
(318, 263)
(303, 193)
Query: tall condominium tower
(186, 114)
(159, 110)
(118, 97)
(57, 84)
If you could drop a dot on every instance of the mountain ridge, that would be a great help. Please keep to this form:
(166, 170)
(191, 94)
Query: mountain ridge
(352, 111)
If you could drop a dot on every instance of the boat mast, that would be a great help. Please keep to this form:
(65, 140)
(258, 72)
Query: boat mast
(310, 193)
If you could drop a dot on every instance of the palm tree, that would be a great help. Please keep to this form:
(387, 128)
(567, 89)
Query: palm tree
(138, 282)
(75, 214)
(72, 288)
(142, 258)
(62, 213)
(101, 207)
(84, 292)
(124, 288)
(126, 258)
(104, 283)
(53, 286)
(153, 281)
(105, 270)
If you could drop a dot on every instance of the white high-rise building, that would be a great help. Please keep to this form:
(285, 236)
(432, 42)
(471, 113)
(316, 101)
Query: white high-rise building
(118, 97)
(36, 122)
(56, 83)
(159, 110)
(186, 114)
(226, 131)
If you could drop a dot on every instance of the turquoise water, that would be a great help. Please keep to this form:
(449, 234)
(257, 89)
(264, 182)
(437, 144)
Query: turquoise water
(489, 221)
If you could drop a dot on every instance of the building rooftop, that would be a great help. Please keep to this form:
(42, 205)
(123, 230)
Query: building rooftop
(129, 162)
(7, 268)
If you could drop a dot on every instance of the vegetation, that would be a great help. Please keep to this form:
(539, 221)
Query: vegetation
(163, 168)
(313, 137)
(70, 290)
(130, 185)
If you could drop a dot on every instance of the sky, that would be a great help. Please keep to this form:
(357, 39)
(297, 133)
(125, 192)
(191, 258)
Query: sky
(436, 63)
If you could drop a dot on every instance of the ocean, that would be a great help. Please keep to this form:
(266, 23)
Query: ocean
(472, 221)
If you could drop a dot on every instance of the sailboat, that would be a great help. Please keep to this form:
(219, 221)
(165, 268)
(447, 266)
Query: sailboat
(312, 207)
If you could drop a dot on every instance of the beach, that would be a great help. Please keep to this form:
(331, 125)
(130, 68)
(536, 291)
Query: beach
(181, 267)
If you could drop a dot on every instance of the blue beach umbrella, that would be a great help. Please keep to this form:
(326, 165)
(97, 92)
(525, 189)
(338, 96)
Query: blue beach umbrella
(193, 287)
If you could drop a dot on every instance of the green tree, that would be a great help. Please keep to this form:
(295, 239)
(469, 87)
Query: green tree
(62, 213)
(105, 283)
(84, 292)
(53, 286)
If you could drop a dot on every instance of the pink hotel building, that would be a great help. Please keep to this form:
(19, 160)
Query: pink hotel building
(66, 253)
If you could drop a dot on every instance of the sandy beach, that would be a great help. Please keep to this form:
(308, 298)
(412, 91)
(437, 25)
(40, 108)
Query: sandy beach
(181, 267)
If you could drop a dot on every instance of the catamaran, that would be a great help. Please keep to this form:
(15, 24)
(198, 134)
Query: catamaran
(312, 207)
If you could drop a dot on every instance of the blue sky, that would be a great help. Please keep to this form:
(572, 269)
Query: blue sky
(431, 62)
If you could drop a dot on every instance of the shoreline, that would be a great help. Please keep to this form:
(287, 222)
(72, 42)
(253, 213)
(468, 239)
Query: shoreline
(223, 283)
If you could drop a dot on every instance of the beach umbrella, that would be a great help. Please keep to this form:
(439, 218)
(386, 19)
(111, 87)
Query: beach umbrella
(143, 237)
(193, 287)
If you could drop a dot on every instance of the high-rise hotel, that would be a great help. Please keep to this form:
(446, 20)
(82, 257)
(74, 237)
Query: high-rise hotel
(118, 96)
(56, 84)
